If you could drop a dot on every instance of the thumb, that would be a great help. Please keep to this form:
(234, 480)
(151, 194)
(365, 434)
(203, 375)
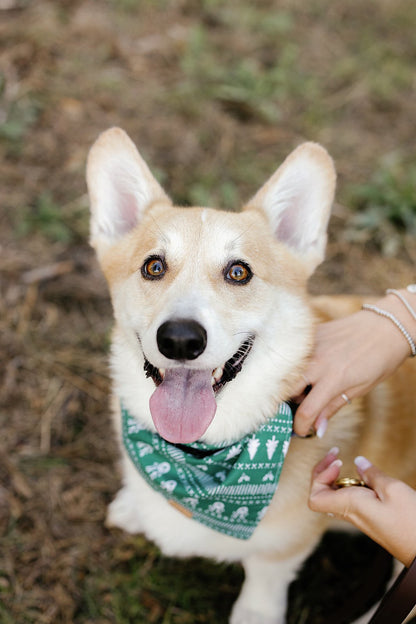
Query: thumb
(310, 408)
(373, 477)
(317, 407)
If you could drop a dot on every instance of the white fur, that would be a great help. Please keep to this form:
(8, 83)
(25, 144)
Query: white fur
(296, 201)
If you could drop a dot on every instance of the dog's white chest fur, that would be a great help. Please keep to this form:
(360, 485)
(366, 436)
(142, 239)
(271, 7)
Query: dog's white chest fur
(212, 332)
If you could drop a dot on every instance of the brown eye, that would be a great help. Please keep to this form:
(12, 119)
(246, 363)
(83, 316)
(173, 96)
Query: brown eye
(154, 268)
(238, 273)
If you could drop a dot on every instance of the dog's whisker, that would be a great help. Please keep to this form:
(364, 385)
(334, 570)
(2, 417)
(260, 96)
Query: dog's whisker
(241, 235)
(158, 229)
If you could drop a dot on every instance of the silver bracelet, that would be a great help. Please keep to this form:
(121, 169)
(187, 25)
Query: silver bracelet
(391, 291)
(393, 319)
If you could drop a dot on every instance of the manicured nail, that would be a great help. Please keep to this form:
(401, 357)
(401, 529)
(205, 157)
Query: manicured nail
(322, 427)
(362, 463)
(336, 462)
(333, 451)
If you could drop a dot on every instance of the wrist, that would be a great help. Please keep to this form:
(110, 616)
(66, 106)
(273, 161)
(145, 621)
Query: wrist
(404, 303)
(399, 310)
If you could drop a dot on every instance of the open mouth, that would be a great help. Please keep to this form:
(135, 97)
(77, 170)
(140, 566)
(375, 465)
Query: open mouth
(220, 376)
(183, 404)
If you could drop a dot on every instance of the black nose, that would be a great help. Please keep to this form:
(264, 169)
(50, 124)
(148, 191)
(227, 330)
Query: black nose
(182, 339)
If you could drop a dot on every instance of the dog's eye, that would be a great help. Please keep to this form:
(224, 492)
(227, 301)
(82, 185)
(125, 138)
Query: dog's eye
(154, 268)
(238, 273)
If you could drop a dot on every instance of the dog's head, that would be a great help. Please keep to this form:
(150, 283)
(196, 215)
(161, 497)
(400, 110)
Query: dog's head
(211, 313)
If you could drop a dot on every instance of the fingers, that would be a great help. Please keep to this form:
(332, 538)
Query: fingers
(318, 407)
(376, 479)
(325, 498)
(323, 476)
(343, 365)
(303, 386)
(384, 510)
(310, 408)
(323, 465)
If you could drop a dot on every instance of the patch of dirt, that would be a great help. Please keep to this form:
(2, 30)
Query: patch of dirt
(69, 70)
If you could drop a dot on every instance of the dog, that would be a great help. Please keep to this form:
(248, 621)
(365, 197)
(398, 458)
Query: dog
(213, 329)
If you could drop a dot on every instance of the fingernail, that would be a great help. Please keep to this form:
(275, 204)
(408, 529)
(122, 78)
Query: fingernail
(336, 462)
(322, 427)
(362, 463)
(333, 451)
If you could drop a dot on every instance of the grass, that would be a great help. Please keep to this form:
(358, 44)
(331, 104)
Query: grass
(147, 587)
(250, 87)
(215, 94)
(19, 117)
(66, 224)
(389, 194)
(385, 206)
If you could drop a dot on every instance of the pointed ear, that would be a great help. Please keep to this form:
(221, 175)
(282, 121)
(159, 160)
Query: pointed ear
(120, 187)
(297, 200)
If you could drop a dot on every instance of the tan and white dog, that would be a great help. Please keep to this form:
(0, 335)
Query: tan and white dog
(196, 288)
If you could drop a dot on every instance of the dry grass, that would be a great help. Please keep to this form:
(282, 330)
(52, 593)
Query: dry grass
(215, 94)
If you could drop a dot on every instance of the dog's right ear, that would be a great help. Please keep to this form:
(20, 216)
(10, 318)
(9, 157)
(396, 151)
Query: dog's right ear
(297, 201)
(120, 187)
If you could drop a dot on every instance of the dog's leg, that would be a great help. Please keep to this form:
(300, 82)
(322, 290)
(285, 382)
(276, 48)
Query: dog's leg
(122, 512)
(263, 598)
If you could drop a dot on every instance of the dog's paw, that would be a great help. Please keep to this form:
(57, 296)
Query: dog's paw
(123, 513)
(241, 615)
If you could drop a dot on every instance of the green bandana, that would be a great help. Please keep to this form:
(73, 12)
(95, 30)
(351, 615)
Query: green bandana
(227, 488)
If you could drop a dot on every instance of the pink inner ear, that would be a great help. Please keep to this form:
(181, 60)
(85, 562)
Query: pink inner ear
(126, 208)
(128, 213)
(288, 226)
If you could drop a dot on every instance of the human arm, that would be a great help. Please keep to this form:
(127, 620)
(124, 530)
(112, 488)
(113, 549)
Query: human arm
(352, 355)
(385, 510)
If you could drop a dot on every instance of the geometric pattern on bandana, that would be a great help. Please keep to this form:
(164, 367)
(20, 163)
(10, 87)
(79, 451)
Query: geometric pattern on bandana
(227, 488)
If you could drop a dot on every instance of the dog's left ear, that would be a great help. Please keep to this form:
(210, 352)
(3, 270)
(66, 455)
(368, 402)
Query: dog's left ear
(297, 200)
(121, 188)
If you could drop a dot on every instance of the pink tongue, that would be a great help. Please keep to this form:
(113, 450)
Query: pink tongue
(183, 406)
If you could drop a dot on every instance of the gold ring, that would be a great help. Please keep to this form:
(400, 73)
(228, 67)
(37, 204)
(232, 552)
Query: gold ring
(346, 398)
(344, 482)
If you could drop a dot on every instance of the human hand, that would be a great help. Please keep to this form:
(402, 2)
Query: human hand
(351, 356)
(385, 510)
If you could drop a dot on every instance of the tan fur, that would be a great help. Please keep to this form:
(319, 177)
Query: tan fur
(131, 219)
